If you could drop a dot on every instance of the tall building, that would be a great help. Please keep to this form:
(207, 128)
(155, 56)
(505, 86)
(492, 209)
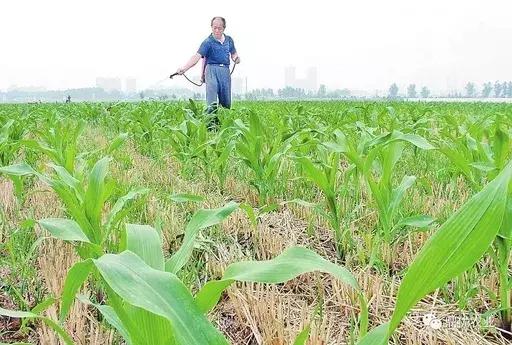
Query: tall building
(131, 85)
(309, 83)
(109, 84)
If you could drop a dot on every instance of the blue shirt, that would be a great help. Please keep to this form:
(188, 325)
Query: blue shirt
(216, 52)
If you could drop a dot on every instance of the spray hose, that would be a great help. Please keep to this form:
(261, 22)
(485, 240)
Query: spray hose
(202, 82)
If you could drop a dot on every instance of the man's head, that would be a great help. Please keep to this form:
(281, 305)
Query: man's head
(218, 26)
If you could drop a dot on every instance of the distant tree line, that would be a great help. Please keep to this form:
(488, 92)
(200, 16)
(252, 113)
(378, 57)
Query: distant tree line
(497, 89)
(411, 91)
(82, 94)
(99, 94)
(291, 92)
(93, 94)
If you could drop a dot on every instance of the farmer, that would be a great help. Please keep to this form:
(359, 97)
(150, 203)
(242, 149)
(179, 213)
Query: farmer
(215, 50)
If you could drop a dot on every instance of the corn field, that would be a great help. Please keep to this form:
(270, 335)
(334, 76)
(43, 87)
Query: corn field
(342, 222)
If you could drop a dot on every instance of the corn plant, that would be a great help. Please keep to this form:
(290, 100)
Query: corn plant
(84, 201)
(262, 152)
(11, 133)
(498, 150)
(189, 141)
(210, 152)
(141, 292)
(382, 152)
(59, 142)
(19, 251)
(218, 153)
(454, 248)
(465, 141)
(147, 122)
(147, 303)
(325, 175)
(485, 157)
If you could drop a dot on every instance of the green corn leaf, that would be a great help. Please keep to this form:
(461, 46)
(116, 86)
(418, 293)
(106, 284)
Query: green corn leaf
(4, 131)
(390, 156)
(420, 221)
(180, 198)
(302, 203)
(316, 175)
(52, 324)
(456, 246)
(144, 241)
(501, 148)
(225, 154)
(117, 142)
(506, 226)
(116, 213)
(22, 169)
(152, 328)
(75, 278)
(458, 159)
(290, 264)
(94, 196)
(336, 147)
(377, 336)
(303, 336)
(471, 142)
(341, 145)
(414, 139)
(64, 229)
(399, 192)
(200, 220)
(249, 211)
(39, 146)
(42, 306)
(483, 166)
(68, 179)
(110, 315)
(158, 292)
(73, 206)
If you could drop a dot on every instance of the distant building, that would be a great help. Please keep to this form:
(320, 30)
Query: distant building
(309, 83)
(109, 84)
(131, 85)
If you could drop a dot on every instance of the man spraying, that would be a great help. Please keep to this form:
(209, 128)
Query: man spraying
(216, 51)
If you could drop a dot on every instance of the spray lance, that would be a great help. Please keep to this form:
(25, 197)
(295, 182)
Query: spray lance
(202, 82)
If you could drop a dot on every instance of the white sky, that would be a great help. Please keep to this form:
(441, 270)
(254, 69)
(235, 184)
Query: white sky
(365, 44)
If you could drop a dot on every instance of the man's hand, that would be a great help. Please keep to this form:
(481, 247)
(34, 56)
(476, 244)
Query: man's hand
(181, 70)
(237, 60)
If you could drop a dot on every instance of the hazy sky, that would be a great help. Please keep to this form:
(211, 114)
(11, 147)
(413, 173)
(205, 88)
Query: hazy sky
(354, 44)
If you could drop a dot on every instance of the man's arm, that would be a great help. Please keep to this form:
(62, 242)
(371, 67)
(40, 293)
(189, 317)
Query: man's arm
(235, 57)
(191, 63)
(232, 51)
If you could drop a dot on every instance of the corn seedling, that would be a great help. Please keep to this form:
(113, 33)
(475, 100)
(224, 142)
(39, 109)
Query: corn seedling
(455, 247)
